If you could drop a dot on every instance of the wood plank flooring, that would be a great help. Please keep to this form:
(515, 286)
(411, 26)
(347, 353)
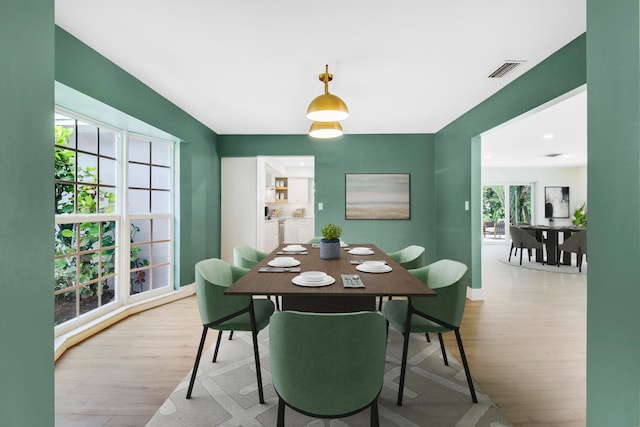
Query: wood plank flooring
(526, 344)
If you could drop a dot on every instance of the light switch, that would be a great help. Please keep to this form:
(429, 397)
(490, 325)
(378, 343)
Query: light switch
(320, 206)
(466, 205)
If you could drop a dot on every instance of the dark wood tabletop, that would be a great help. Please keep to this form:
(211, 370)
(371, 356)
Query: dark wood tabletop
(394, 283)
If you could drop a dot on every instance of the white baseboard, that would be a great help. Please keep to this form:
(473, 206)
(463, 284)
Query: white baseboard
(475, 294)
(71, 338)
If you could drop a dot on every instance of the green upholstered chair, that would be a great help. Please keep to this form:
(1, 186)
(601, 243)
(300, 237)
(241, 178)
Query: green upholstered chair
(327, 365)
(411, 257)
(247, 257)
(439, 314)
(314, 240)
(227, 312)
(576, 243)
(523, 239)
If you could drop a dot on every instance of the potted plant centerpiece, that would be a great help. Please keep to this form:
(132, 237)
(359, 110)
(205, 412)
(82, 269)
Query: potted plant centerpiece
(330, 243)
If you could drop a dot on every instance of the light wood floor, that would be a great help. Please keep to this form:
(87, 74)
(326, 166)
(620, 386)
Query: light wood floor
(526, 344)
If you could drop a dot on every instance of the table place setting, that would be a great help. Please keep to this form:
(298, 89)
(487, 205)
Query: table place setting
(361, 251)
(293, 250)
(279, 270)
(313, 279)
(284, 261)
(352, 281)
(374, 267)
(360, 261)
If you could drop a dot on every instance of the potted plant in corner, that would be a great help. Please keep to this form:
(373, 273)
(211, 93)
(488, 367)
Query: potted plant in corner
(580, 217)
(330, 243)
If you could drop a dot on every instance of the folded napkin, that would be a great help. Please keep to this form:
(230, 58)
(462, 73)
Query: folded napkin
(352, 281)
(279, 270)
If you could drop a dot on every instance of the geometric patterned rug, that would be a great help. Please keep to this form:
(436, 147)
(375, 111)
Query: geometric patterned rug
(225, 393)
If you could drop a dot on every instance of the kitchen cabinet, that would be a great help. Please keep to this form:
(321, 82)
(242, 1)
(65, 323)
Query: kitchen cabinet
(270, 235)
(282, 189)
(298, 189)
(298, 230)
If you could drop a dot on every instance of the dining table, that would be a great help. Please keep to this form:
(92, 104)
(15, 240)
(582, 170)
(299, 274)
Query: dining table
(338, 296)
(549, 234)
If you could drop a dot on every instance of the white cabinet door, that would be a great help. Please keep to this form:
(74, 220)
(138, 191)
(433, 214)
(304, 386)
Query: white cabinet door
(270, 236)
(298, 190)
(290, 231)
(305, 230)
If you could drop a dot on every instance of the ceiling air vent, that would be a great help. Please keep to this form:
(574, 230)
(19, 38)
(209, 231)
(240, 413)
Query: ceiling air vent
(504, 69)
(553, 155)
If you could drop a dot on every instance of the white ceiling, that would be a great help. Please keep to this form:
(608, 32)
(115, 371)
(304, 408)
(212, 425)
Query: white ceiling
(559, 128)
(251, 66)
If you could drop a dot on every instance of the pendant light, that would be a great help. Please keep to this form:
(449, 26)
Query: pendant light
(325, 130)
(327, 107)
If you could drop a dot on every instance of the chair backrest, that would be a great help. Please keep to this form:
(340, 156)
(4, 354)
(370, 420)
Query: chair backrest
(522, 238)
(314, 240)
(327, 364)
(444, 277)
(411, 257)
(576, 241)
(247, 257)
(213, 277)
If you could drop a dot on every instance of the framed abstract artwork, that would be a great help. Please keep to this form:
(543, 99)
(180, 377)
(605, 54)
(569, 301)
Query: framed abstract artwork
(377, 196)
(556, 202)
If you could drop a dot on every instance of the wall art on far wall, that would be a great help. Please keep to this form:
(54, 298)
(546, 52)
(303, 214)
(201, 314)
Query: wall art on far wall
(556, 202)
(377, 196)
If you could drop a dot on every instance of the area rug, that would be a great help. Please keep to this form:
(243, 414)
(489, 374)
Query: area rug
(533, 265)
(225, 393)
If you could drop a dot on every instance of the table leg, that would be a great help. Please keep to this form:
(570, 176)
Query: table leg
(552, 247)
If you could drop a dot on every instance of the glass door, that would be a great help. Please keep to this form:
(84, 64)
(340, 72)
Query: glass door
(493, 213)
(504, 205)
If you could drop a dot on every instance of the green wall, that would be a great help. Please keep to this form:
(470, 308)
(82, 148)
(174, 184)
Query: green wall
(457, 159)
(26, 213)
(198, 216)
(613, 303)
(358, 154)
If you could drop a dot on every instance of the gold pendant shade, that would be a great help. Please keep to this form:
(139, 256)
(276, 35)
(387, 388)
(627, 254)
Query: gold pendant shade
(327, 108)
(326, 111)
(325, 130)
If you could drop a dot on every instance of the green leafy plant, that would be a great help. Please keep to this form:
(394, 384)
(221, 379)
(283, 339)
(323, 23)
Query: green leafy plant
(331, 231)
(580, 217)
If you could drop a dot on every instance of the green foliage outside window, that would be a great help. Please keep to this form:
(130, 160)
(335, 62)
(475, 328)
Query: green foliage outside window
(96, 241)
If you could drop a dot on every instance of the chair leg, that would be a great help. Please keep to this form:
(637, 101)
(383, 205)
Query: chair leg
(521, 249)
(375, 419)
(428, 337)
(215, 352)
(474, 398)
(197, 363)
(511, 251)
(230, 335)
(258, 372)
(280, 421)
(444, 352)
(403, 367)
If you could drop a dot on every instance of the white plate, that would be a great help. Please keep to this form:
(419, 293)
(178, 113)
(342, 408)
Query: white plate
(298, 281)
(294, 248)
(286, 263)
(361, 251)
(343, 245)
(362, 267)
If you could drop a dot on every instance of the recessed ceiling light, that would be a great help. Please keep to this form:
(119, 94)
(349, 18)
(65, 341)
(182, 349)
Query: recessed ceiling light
(566, 156)
(487, 156)
(548, 136)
